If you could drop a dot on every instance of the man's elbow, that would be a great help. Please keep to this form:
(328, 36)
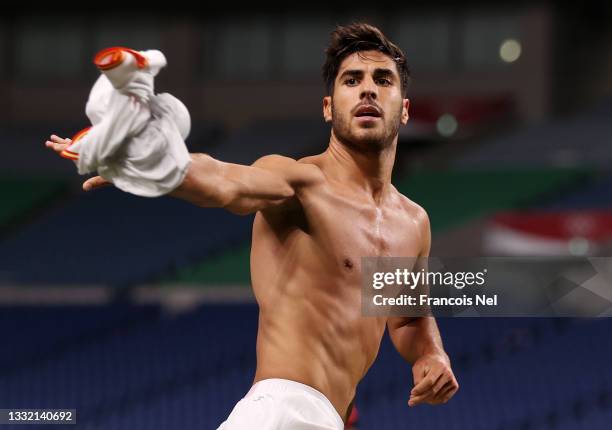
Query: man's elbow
(230, 196)
(227, 196)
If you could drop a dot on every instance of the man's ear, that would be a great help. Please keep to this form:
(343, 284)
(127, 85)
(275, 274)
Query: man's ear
(327, 108)
(405, 108)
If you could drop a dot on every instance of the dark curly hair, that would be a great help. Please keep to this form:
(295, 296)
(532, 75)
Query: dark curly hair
(346, 40)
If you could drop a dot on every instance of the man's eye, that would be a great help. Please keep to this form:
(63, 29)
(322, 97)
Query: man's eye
(351, 81)
(384, 81)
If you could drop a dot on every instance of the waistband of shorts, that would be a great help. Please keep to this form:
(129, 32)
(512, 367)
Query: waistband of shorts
(287, 385)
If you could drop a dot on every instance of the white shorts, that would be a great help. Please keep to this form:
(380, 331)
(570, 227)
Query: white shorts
(281, 404)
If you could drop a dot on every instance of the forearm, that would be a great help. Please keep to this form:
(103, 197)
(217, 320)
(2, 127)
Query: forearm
(203, 185)
(240, 189)
(418, 341)
(416, 337)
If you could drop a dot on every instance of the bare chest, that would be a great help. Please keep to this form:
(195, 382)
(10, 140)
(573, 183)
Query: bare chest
(348, 229)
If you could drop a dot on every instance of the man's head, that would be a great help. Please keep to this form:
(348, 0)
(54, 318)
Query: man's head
(366, 77)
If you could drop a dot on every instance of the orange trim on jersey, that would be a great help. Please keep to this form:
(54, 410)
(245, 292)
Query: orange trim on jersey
(66, 153)
(110, 58)
(69, 155)
(79, 135)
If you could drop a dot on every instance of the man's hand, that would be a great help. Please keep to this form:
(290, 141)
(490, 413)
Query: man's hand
(58, 144)
(434, 381)
(95, 183)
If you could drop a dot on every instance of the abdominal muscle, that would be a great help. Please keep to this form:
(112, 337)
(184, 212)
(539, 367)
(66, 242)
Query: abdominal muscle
(318, 337)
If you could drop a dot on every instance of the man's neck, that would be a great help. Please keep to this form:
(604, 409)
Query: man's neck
(369, 170)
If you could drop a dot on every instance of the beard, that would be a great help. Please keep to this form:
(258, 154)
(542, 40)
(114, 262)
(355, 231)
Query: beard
(368, 139)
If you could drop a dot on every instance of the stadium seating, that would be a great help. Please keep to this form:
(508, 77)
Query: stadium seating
(582, 140)
(188, 370)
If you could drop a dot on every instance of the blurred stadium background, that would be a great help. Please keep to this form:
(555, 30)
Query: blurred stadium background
(138, 313)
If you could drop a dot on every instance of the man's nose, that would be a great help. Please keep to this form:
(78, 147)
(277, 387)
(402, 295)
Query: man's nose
(369, 89)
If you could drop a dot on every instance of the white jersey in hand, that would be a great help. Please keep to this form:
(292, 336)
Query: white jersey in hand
(136, 140)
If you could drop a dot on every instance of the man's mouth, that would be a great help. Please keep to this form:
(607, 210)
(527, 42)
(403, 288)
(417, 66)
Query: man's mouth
(368, 112)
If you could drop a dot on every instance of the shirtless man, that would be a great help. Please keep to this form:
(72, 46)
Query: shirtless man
(315, 218)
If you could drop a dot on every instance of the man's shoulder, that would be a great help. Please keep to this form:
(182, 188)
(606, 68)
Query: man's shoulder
(418, 215)
(304, 171)
(415, 211)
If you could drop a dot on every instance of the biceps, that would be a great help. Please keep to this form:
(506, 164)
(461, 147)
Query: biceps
(254, 182)
(240, 189)
(250, 188)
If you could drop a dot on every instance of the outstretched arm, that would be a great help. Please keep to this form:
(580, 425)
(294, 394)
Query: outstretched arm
(418, 341)
(271, 181)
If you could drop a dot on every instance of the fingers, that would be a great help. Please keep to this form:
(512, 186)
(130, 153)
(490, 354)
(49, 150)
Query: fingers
(57, 144)
(417, 400)
(436, 388)
(95, 183)
(446, 393)
(423, 391)
(425, 397)
(418, 373)
(426, 384)
(441, 383)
